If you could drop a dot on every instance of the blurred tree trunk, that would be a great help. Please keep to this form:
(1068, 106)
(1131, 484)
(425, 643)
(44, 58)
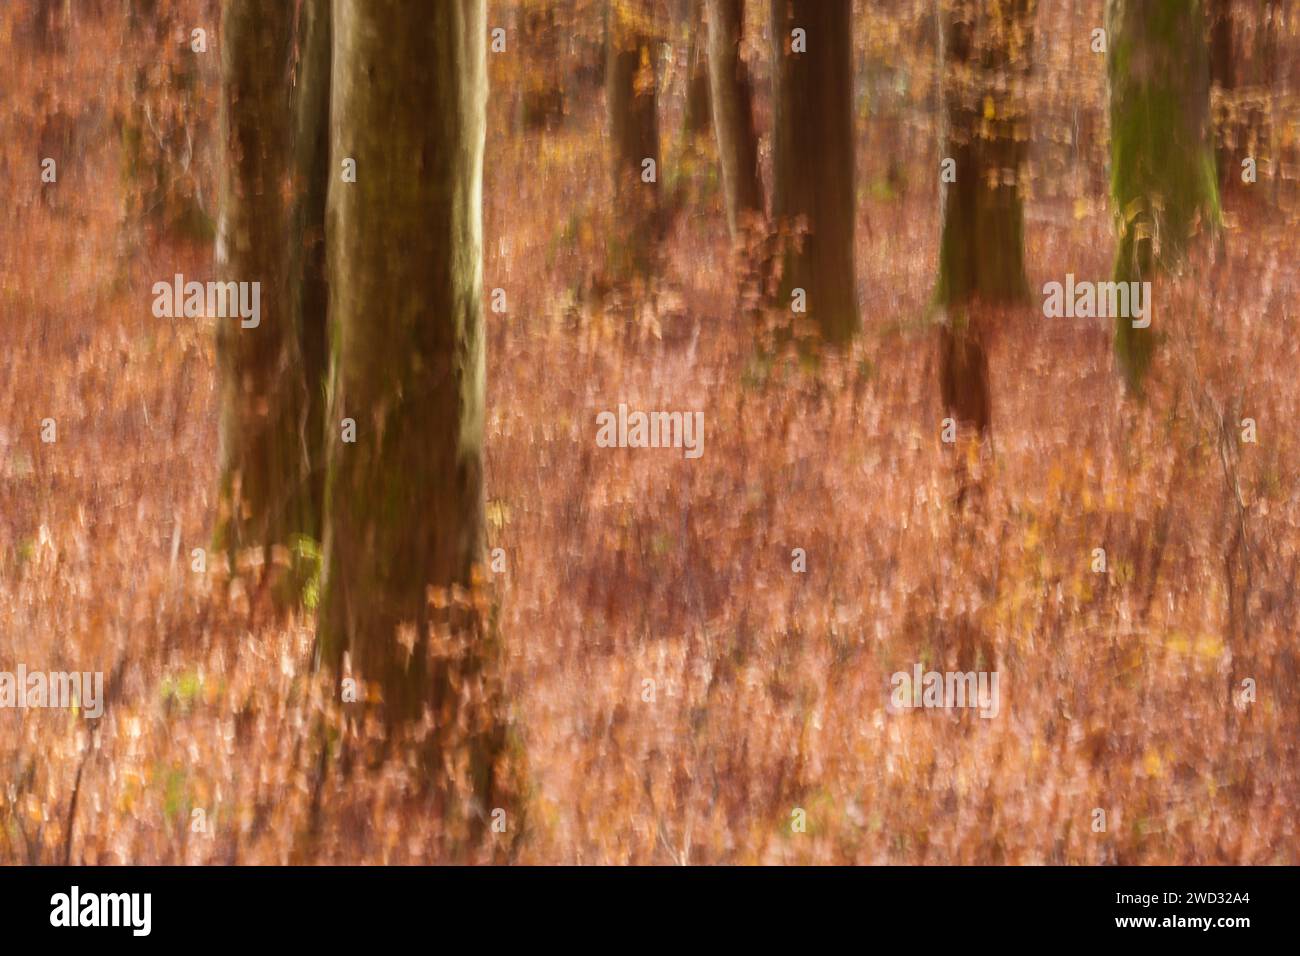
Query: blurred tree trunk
(542, 103)
(1222, 65)
(1276, 82)
(631, 102)
(264, 496)
(732, 96)
(404, 501)
(49, 25)
(696, 118)
(986, 57)
(1223, 74)
(1163, 179)
(813, 140)
(312, 174)
(986, 54)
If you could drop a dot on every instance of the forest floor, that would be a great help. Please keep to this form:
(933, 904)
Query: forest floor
(1120, 691)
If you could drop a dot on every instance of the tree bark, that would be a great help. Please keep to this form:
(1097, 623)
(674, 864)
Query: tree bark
(695, 121)
(312, 172)
(1163, 179)
(264, 497)
(1275, 79)
(986, 60)
(732, 96)
(542, 102)
(813, 141)
(1222, 66)
(986, 56)
(49, 25)
(404, 502)
(1223, 74)
(631, 101)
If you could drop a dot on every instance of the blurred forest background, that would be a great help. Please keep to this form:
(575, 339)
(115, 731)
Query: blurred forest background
(1121, 689)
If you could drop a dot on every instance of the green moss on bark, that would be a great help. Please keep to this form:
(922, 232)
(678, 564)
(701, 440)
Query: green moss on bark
(264, 491)
(1163, 180)
(986, 61)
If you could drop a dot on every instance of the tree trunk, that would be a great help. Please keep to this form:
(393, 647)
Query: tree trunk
(49, 25)
(986, 60)
(695, 122)
(733, 114)
(634, 132)
(312, 172)
(404, 501)
(1222, 66)
(264, 497)
(986, 55)
(1163, 179)
(1277, 83)
(813, 191)
(1223, 74)
(542, 102)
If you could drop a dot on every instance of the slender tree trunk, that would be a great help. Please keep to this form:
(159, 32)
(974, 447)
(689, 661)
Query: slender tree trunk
(987, 52)
(813, 139)
(1276, 82)
(1163, 179)
(732, 96)
(404, 501)
(631, 102)
(312, 172)
(986, 55)
(49, 24)
(264, 497)
(1222, 65)
(695, 121)
(542, 102)
(1223, 74)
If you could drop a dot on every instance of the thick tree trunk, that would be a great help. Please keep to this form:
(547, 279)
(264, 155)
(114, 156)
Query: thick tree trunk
(1163, 179)
(986, 61)
(264, 494)
(732, 96)
(631, 101)
(404, 501)
(813, 191)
